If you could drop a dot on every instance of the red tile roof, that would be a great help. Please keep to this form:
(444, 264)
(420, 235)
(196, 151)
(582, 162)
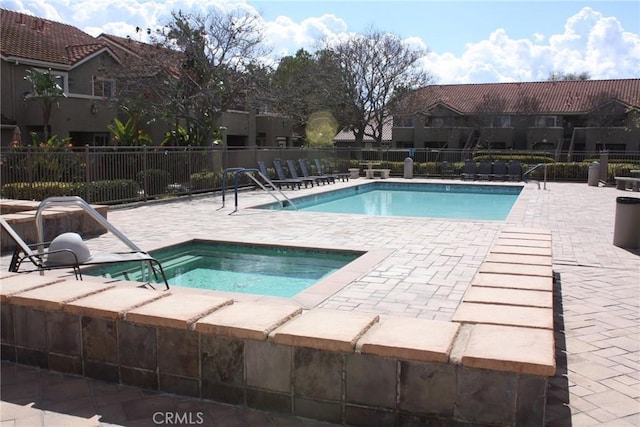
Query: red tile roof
(549, 97)
(129, 50)
(29, 37)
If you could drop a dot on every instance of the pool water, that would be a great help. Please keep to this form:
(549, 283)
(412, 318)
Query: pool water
(254, 269)
(455, 201)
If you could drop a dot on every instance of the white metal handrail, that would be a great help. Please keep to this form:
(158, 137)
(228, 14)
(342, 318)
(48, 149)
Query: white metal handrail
(539, 165)
(250, 174)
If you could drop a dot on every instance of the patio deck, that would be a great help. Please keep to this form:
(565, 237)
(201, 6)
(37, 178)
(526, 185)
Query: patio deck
(433, 262)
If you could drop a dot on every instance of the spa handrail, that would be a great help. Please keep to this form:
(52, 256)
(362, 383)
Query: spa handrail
(249, 172)
(81, 203)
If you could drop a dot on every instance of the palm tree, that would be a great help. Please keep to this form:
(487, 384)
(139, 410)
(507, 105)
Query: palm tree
(47, 91)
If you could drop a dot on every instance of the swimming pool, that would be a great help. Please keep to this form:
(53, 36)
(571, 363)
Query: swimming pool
(454, 201)
(234, 267)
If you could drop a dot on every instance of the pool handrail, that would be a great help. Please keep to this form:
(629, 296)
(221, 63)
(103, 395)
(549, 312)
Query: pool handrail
(250, 173)
(543, 165)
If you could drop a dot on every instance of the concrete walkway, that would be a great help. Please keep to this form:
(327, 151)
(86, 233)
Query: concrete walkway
(597, 296)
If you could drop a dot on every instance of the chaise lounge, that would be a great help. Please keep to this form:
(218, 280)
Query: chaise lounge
(68, 251)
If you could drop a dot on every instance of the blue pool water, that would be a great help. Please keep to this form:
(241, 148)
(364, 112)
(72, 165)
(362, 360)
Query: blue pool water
(454, 201)
(253, 269)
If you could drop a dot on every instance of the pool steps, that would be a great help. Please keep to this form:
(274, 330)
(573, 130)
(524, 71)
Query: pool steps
(490, 365)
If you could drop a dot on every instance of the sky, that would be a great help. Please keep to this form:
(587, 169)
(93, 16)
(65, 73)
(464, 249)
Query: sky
(469, 41)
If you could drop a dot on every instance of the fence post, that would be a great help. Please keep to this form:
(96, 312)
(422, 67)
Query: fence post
(144, 172)
(189, 168)
(30, 172)
(87, 172)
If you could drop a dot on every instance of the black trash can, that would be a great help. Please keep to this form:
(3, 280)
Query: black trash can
(626, 231)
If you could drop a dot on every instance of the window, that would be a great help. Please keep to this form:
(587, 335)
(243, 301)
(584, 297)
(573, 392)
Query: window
(100, 139)
(102, 87)
(546, 121)
(501, 122)
(404, 122)
(436, 122)
(60, 79)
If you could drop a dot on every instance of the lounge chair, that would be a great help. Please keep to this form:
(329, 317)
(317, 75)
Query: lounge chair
(282, 176)
(325, 179)
(262, 167)
(68, 251)
(469, 170)
(515, 170)
(499, 170)
(344, 176)
(294, 174)
(446, 169)
(484, 170)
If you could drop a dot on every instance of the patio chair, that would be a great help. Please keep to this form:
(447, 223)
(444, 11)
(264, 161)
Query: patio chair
(344, 176)
(484, 170)
(515, 170)
(499, 170)
(469, 170)
(294, 174)
(282, 176)
(325, 179)
(446, 169)
(68, 251)
(262, 167)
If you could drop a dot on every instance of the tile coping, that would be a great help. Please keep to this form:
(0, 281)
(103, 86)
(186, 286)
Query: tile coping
(499, 334)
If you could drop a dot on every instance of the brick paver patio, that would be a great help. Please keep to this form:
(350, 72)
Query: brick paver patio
(597, 298)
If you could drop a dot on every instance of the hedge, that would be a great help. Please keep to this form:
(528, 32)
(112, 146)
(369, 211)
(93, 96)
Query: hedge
(99, 191)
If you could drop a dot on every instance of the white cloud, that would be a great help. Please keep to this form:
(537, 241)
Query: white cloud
(285, 36)
(590, 43)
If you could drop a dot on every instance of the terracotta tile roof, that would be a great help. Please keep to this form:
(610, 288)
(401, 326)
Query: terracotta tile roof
(127, 50)
(551, 97)
(30, 37)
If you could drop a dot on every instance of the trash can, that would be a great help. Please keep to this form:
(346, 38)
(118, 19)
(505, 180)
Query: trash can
(594, 174)
(626, 229)
(408, 168)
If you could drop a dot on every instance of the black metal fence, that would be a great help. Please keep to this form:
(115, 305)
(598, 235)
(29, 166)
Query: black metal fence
(111, 175)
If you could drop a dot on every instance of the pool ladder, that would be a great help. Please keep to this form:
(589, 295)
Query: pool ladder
(539, 165)
(251, 173)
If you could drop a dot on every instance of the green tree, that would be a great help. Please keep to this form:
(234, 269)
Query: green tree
(308, 84)
(45, 90)
(128, 134)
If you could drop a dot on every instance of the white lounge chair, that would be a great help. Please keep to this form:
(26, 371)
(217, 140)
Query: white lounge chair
(69, 253)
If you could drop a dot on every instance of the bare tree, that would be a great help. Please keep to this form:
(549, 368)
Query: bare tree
(198, 67)
(558, 76)
(374, 67)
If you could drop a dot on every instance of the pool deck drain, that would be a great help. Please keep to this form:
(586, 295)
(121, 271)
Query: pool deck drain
(432, 264)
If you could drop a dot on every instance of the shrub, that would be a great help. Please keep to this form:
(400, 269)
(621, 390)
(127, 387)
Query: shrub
(113, 190)
(205, 181)
(41, 190)
(157, 181)
(98, 191)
